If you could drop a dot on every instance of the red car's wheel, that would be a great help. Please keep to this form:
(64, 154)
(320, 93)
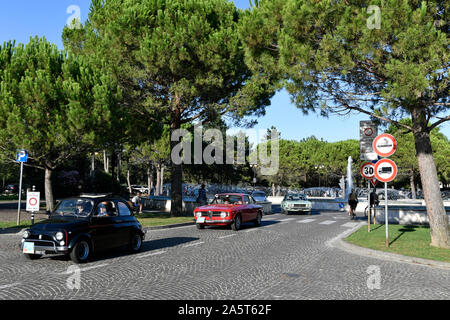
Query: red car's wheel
(236, 225)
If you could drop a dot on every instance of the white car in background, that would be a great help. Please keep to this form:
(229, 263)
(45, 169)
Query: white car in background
(139, 188)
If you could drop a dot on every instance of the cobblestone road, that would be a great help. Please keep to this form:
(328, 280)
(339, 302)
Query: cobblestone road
(286, 258)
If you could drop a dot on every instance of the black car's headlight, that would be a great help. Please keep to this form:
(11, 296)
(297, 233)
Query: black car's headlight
(26, 234)
(59, 236)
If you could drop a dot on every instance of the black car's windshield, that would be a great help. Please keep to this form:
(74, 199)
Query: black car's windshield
(228, 199)
(77, 207)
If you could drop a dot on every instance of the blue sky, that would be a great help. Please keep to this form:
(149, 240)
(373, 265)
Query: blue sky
(20, 19)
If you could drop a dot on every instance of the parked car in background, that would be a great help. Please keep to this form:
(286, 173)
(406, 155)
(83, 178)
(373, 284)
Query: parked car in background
(11, 189)
(259, 196)
(295, 203)
(141, 189)
(229, 209)
(81, 226)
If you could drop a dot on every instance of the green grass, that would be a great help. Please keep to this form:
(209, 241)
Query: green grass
(411, 241)
(13, 224)
(10, 197)
(146, 219)
(161, 219)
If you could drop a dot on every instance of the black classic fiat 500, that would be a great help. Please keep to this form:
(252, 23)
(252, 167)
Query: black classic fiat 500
(83, 225)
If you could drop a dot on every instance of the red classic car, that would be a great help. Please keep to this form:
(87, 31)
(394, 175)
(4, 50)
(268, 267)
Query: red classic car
(229, 209)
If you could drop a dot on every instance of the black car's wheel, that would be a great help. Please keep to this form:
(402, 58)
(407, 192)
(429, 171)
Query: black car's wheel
(29, 256)
(200, 226)
(258, 220)
(236, 225)
(80, 251)
(136, 243)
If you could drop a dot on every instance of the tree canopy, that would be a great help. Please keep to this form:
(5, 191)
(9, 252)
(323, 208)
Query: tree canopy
(53, 104)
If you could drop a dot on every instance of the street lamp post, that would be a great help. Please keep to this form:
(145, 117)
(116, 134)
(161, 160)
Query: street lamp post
(318, 167)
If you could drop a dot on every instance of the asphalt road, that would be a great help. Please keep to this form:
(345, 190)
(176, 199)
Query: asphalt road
(287, 257)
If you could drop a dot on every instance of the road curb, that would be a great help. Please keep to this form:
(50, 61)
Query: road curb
(8, 231)
(340, 243)
(170, 226)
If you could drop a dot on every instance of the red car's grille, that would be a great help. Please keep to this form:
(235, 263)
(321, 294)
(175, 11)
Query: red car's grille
(210, 214)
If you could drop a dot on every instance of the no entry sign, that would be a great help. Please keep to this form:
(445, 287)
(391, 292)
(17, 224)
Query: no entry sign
(385, 170)
(384, 145)
(33, 199)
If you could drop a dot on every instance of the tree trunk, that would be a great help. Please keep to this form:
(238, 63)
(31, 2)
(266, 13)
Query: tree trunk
(437, 216)
(128, 181)
(158, 181)
(149, 177)
(161, 191)
(105, 161)
(113, 170)
(49, 201)
(119, 166)
(92, 165)
(412, 184)
(176, 173)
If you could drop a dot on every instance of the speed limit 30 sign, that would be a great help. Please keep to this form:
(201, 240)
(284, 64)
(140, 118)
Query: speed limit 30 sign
(368, 170)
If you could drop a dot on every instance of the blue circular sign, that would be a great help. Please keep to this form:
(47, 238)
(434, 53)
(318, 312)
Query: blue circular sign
(341, 205)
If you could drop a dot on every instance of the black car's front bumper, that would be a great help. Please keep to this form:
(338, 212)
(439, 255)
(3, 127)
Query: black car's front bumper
(45, 246)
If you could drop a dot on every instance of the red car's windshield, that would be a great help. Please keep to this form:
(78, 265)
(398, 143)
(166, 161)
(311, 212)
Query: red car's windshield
(228, 199)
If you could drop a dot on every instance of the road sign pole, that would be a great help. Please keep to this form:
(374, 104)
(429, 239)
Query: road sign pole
(20, 193)
(386, 216)
(369, 211)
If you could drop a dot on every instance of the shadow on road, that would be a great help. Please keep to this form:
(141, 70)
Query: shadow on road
(147, 246)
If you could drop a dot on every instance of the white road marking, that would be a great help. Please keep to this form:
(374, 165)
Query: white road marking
(227, 236)
(9, 285)
(350, 224)
(88, 268)
(328, 222)
(306, 221)
(193, 244)
(253, 229)
(288, 219)
(152, 254)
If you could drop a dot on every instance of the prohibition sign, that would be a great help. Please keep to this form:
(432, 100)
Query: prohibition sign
(385, 170)
(32, 201)
(384, 145)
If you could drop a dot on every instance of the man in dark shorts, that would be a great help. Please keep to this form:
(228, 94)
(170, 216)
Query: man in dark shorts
(352, 202)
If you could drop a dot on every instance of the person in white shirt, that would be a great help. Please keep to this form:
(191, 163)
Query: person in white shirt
(137, 201)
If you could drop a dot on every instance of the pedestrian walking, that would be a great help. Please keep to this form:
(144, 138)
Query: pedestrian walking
(201, 199)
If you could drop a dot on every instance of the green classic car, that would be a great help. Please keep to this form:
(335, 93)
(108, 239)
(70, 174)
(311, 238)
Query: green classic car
(295, 203)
